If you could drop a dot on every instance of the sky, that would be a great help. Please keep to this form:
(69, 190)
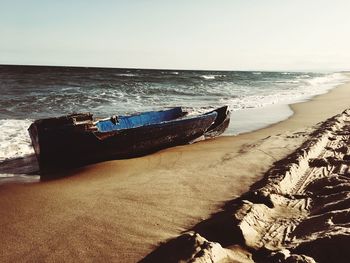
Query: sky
(293, 35)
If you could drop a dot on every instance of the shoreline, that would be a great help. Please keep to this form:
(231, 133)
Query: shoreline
(249, 120)
(122, 210)
(276, 113)
(299, 108)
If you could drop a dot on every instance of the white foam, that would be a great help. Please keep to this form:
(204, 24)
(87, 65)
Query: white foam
(302, 90)
(126, 75)
(212, 76)
(208, 76)
(14, 139)
(198, 110)
(320, 85)
(277, 100)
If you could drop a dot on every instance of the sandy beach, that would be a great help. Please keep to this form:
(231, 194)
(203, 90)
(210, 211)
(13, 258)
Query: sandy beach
(123, 210)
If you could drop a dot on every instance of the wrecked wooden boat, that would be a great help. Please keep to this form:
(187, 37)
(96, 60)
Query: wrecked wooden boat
(77, 139)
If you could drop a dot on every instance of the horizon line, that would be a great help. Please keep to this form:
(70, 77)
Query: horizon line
(174, 69)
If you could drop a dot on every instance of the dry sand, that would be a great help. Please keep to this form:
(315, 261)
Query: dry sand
(123, 210)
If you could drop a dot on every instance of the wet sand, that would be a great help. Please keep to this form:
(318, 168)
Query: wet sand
(121, 211)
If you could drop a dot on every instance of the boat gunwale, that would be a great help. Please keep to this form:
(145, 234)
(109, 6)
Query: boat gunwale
(155, 125)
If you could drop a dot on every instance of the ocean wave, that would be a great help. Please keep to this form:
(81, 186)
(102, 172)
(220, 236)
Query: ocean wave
(207, 77)
(18, 178)
(126, 75)
(200, 110)
(303, 76)
(329, 79)
(287, 92)
(14, 139)
(287, 81)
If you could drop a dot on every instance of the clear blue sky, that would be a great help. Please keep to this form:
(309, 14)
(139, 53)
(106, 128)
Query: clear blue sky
(192, 34)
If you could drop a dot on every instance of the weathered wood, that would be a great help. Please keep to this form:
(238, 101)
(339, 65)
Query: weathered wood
(76, 140)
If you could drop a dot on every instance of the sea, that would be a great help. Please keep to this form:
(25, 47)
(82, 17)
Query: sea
(256, 99)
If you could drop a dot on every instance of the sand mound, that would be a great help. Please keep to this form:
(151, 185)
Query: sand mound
(190, 247)
(299, 212)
